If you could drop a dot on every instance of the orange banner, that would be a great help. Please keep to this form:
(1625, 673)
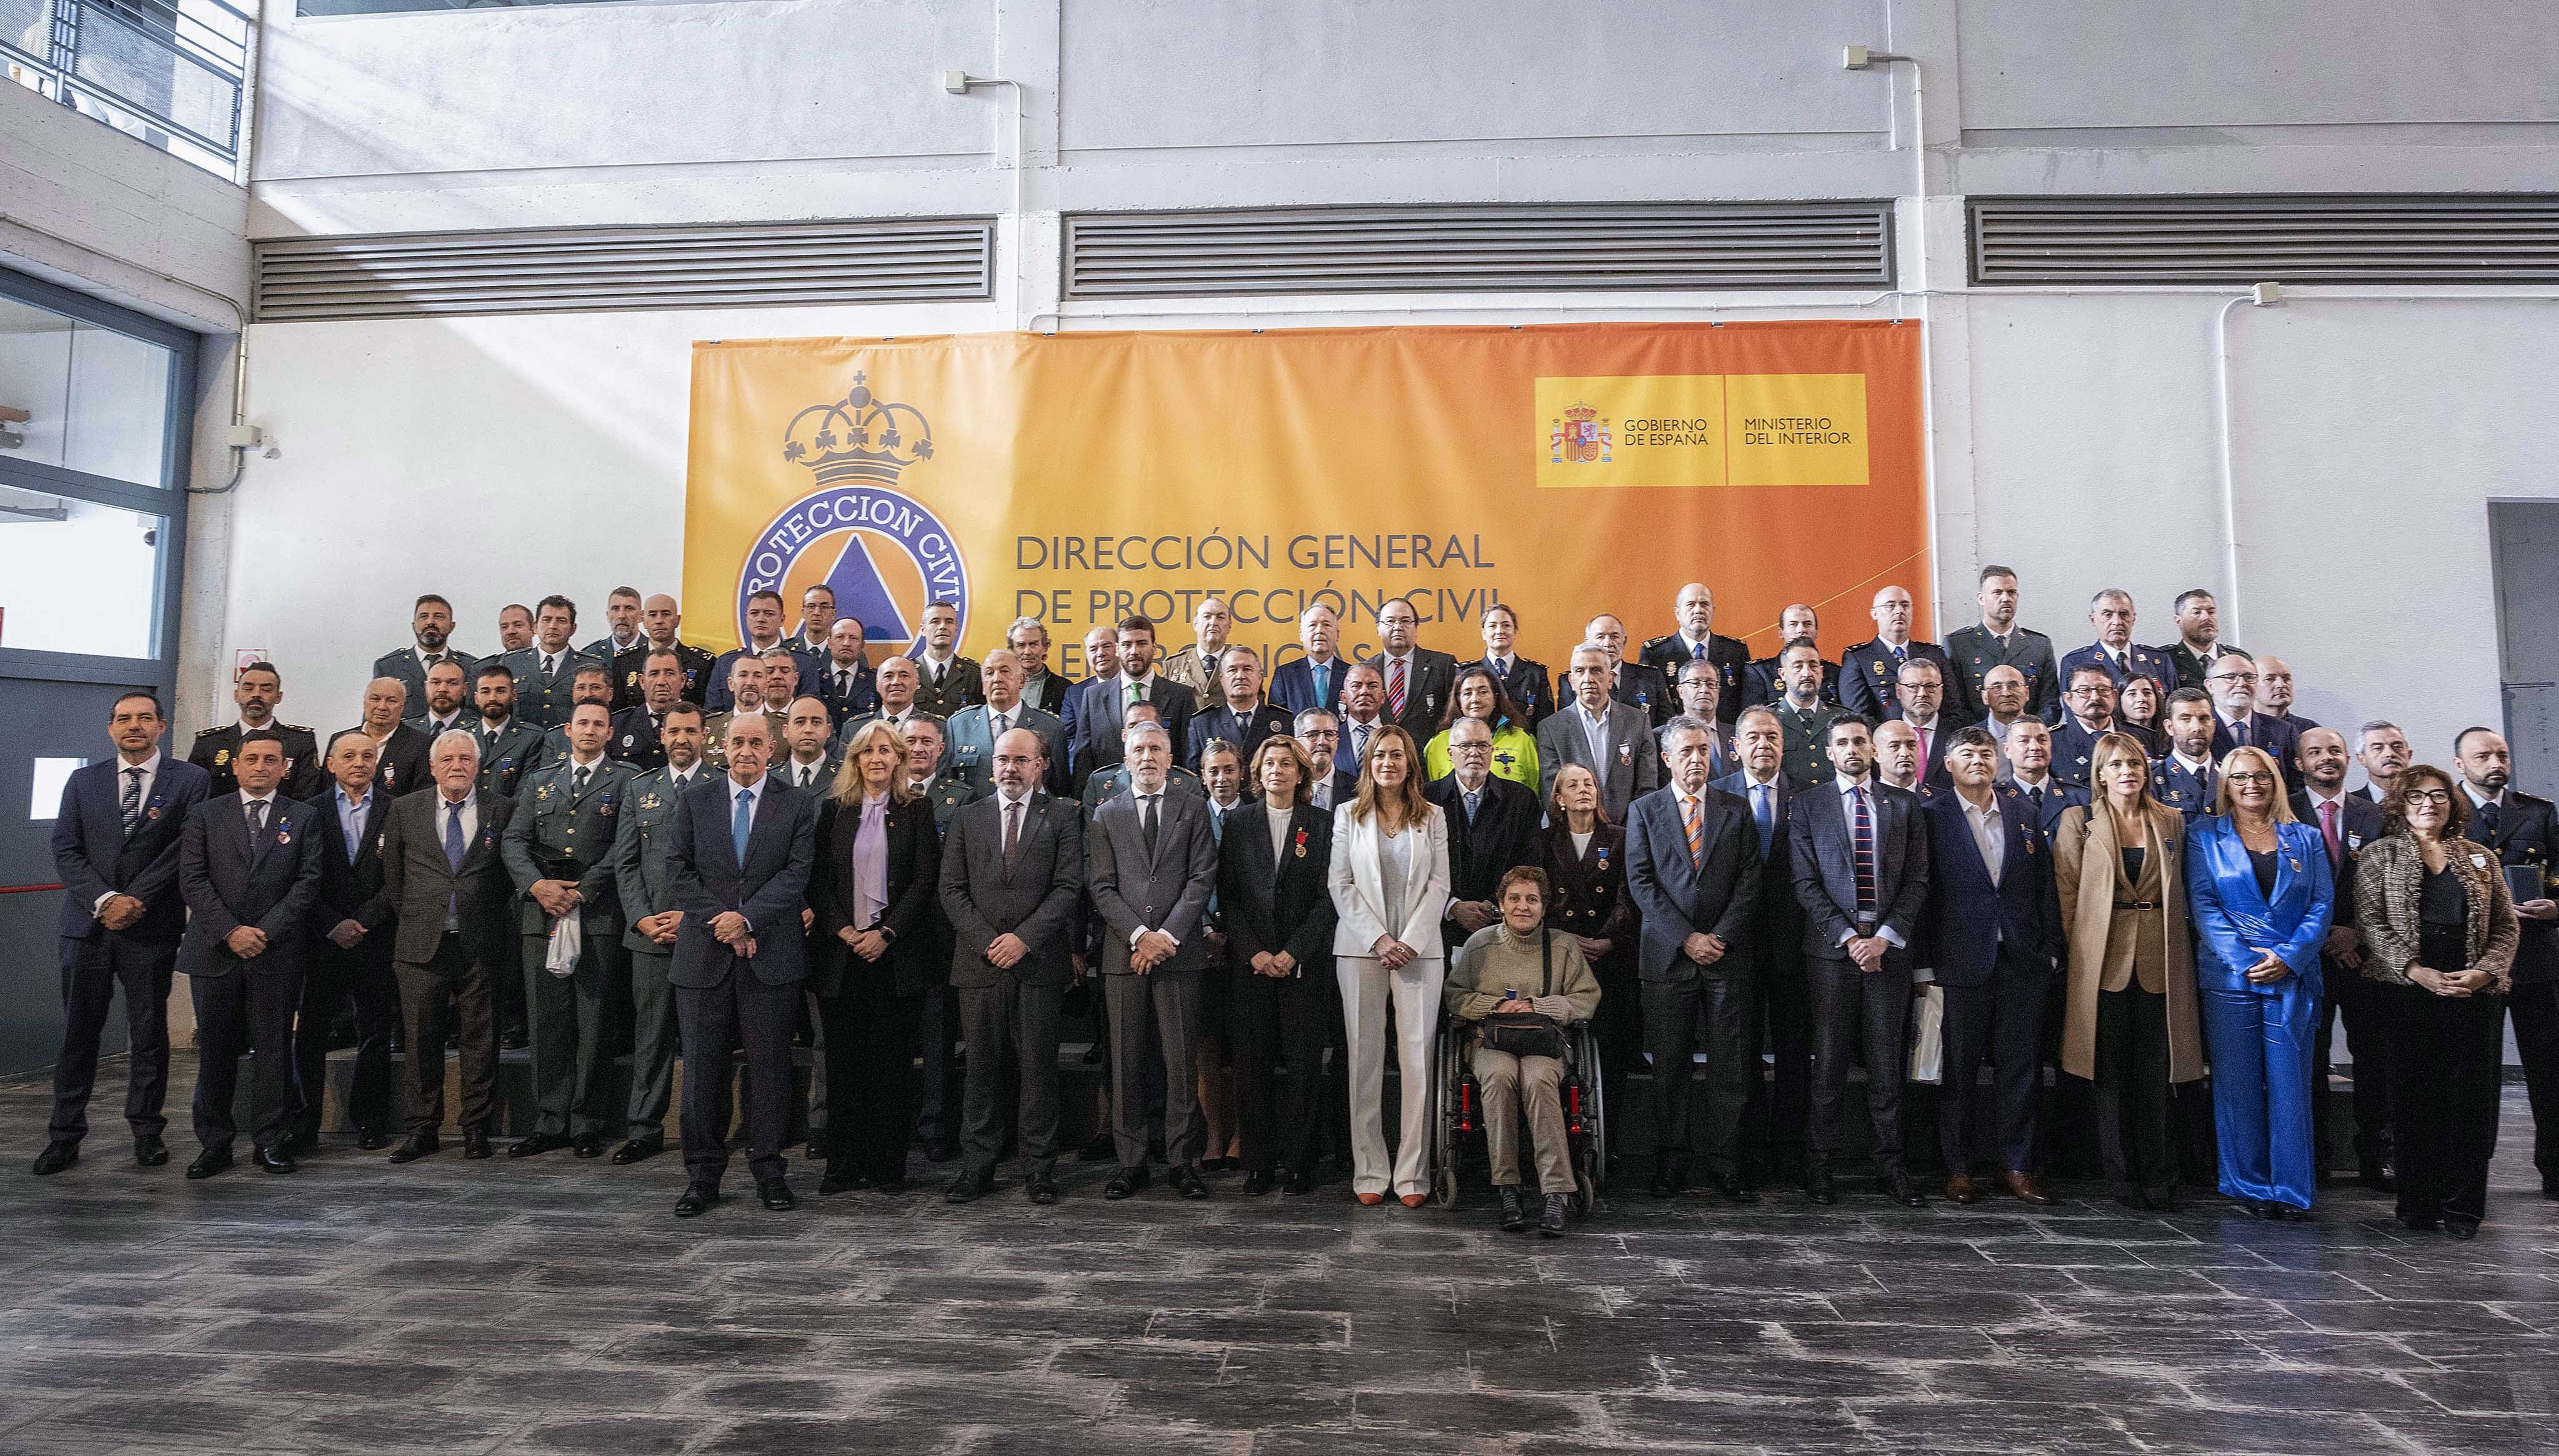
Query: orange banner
(1561, 470)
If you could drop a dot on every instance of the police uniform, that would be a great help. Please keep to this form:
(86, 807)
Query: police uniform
(715, 693)
(506, 754)
(406, 664)
(1105, 784)
(1197, 672)
(2050, 802)
(948, 797)
(958, 688)
(605, 650)
(1805, 756)
(627, 667)
(858, 694)
(2190, 666)
(2137, 659)
(2525, 833)
(304, 775)
(1642, 686)
(1667, 655)
(1871, 676)
(2072, 748)
(2188, 791)
(1974, 652)
(540, 700)
(634, 739)
(639, 882)
(465, 721)
(560, 831)
(1529, 687)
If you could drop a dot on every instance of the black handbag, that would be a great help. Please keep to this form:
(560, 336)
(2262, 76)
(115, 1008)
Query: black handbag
(1530, 1033)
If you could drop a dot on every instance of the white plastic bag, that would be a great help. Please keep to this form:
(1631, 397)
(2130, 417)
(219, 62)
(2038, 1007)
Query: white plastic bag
(1928, 1034)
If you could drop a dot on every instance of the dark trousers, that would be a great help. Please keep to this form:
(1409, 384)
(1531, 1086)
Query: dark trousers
(1012, 1027)
(2003, 1021)
(653, 1044)
(2445, 1065)
(1280, 1021)
(1155, 1023)
(567, 1025)
(1859, 1013)
(1778, 1120)
(1711, 1012)
(870, 1080)
(2352, 999)
(1617, 1027)
(364, 976)
(740, 1011)
(2065, 1127)
(452, 988)
(2132, 1093)
(93, 969)
(2536, 1042)
(938, 1117)
(245, 1013)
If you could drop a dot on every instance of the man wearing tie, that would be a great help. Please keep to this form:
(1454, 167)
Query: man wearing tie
(1612, 738)
(1998, 641)
(648, 905)
(2030, 757)
(763, 632)
(1317, 680)
(115, 848)
(973, 730)
(1197, 666)
(248, 868)
(430, 624)
(1693, 869)
(1524, 682)
(2186, 780)
(350, 953)
(258, 690)
(452, 902)
(1363, 713)
(1998, 940)
(740, 959)
(1698, 642)
(445, 710)
(1700, 686)
(510, 748)
(946, 681)
(658, 621)
(1320, 731)
(2346, 824)
(1920, 691)
(1240, 718)
(2523, 831)
(814, 634)
(2232, 678)
(545, 673)
(1869, 672)
(1493, 828)
(1781, 1007)
(1418, 681)
(1861, 871)
(845, 679)
(1803, 715)
(635, 738)
(2112, 613)
(809, 735)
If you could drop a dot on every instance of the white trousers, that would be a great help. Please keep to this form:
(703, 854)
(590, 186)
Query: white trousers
(1367, 986)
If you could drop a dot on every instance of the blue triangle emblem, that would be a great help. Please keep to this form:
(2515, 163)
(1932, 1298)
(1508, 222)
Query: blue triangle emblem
(862, 596)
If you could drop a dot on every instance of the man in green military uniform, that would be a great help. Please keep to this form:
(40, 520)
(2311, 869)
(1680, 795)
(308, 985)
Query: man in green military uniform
(258, 690)
(648, 907)
(948, 792)
(591, 683)
(946, 683)
(430, 623)
(658, 619)
(445, 706)
(622, 620)
(546, 672)
(1196, 666)
(558, 849)
(1803, 715)
(510, 748)
(1998, 641)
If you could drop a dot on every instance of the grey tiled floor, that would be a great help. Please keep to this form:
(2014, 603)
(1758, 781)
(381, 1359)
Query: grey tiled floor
(555, 1306)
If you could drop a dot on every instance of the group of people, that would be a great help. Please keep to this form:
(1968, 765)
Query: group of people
(2132, 863)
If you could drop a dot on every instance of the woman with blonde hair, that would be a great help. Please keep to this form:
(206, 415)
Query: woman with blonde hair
(2130, 1023)
(1389, 880)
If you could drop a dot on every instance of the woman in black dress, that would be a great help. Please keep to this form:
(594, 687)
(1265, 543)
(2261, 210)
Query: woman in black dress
(1279, 911)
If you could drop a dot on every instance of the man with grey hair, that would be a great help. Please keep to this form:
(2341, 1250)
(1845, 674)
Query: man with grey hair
(1612, 738)
(1320, 730)
(2111, 612)
(450, 893)
(2382, 747)
(1041, 689)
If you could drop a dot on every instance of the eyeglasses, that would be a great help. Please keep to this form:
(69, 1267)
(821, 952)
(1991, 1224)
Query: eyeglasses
(2260, 779)
(2429, 796)
(1477, 745)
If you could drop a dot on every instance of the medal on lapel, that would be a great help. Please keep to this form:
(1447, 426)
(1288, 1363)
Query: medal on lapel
(1301, 844)
(1625, 753)
(152, 812)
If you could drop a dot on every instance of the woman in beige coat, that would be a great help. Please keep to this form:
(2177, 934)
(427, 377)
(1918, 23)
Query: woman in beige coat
(2130, 1025)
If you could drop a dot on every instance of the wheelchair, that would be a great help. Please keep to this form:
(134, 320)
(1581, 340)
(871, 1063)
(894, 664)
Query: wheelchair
(1459, 1117)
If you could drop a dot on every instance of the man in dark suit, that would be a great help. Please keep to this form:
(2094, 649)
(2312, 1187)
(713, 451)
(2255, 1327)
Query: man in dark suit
(1012, 877)
(1419, 682)
(2088, 714)
(510, 747)
(1639, 686)
(430, 626)
(2346, 824)
(1151, 865)
(2199, 641)
(2523, 830)
(1762, 683)
(763, 633)
(633, 738)
(444, 708)
(1998, 641)
(846, 679)
(2231, 679)
(2381, 747)
(1319, 729)
(1920, 691)
(454, 909)
(1524, 682)
(1870, 672)
(1106, 701)
(737, 866)
(1700, 686)
(116, 847)
(400, 751)
(1317, 680)
(1100, 660)
(1240, 717)
(1861, 871)
(1693, 870)
(2112, 613)
(2029, 759)
(1997, 940)
(258, 691)
(1493, 828)
(350, 950)
(1775, 1119)
(1610, 737)
(546, 672)
(1698, 640)
(248, 867)
(2065, 1130)
(659, 620)
(1361, 715)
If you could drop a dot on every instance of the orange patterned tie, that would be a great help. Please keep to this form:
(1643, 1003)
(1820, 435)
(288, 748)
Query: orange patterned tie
(1689, 817)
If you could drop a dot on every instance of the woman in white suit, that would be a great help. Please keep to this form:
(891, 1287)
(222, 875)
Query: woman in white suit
(1390, 881)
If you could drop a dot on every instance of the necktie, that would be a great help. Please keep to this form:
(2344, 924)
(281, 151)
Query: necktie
(577, 783)
(1359, 741)
(455, 847)
(1138, 691)
(2239, 731)
(939, 669)
(2035, 802)
(1324, 680)
(355, 831)
(1924, 751)
(550, 665)
(741, 822)
(1324, 792)
(808, 775)
(1146, 823)
(1865, 853)
(256, 818)
(489, 742)
(133, 806)
(1473, 797)
(843, 683)
(1695, 837)
(1395, 688)
(1012, 833)
(1697, 652)
(2203, 776)
(2328, 831)
(1900, 654)
(1003, 722)
(1764, 809)
(2488, 815)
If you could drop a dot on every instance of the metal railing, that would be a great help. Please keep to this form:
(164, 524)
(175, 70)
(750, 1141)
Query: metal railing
(172, 72)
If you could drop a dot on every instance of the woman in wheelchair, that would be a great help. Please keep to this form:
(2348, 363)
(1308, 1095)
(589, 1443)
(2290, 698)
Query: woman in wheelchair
(1514, 989)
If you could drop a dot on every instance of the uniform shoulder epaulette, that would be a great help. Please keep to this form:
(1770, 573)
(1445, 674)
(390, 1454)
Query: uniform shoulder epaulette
(283, 727)
(203, 733)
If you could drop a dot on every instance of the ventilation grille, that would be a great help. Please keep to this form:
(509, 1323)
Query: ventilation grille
(571, 270)
(2479, 237)
(1454, 250)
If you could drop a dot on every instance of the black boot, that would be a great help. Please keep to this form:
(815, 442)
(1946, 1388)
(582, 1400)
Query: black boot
(1514, 1212)
(1552, 1223)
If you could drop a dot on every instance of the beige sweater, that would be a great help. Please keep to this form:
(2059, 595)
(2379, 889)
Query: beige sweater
(1493, 961)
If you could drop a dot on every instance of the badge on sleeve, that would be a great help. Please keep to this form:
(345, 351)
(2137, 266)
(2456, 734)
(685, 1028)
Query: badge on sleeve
(2479, 861)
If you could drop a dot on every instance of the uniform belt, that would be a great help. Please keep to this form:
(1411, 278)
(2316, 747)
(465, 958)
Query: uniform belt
(2137, 905)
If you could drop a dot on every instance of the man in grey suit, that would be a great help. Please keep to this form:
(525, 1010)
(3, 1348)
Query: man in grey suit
(973, 730)
(453, 905)
(1613, 740)
(649, 908)
(1152, 859)
(1012, 873)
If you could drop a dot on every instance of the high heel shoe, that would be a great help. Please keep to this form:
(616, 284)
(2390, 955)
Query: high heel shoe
(1371, 1199)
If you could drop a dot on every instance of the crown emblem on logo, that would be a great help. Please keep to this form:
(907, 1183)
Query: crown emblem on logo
(1581, 437)
(859, 437)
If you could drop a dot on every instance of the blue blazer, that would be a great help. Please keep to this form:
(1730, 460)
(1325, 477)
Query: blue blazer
(2234, 924)
(94, 857)
(1825, 866)
(770, 889)
(1292, 685)
(1971, 917)
(1718, 894)
(2058, 799)
(230, 882)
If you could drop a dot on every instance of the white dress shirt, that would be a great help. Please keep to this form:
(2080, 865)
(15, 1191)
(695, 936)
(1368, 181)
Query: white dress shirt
(150, 768)
(1875, 821)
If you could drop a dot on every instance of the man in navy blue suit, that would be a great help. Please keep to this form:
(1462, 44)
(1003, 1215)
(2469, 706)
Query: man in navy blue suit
(116, 847)
(1774, 1120)
(2029, 762)
(1997, 937)
(1315, 679)
(739, 866)
(249, 865)
(351, 948)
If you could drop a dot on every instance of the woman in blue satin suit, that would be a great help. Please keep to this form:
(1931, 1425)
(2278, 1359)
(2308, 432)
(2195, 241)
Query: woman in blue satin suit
(2258, 887)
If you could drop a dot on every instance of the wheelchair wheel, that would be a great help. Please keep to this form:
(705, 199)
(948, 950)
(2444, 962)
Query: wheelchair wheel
(1444, 1122)
(1592, 1172)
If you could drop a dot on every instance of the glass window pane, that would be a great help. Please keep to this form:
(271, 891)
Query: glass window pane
(96, 400)
(77, 577)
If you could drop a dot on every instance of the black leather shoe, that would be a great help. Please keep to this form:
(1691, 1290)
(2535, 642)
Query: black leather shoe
(587, 1144)
(1514, 1209)
(61, 1153)
(1042, 1189)
(1256, 1183)
(2464, 1230)
(775, 1194)
(211, 1161)
(637, 1149)
(1899, 1188)
(697, 1196)
(1667, 1179)
(1818, 1188)
(1124, 1182)
(149, 1150)
(1188, 1182)
(846, 1179)
(295, 1144)
(939, 1150)
(415, 1146)
(2375, 1175)
(1103, 1145)
(970, 1187)
(475, 1142)
(1298, 1183)
(536, 1145)
(276, 1160)
(513, 1038)
(1736, 1188)
(1550, 1222)
(372, 1139)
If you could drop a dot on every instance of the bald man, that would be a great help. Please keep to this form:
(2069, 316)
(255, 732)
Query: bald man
(1697, 638)
(658, 619)
(1870, 671)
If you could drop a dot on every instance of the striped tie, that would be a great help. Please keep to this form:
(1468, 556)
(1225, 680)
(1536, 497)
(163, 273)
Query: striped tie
(1395, 688)
(1696, 844)
(1865, 854)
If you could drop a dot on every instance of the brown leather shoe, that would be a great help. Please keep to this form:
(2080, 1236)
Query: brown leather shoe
(1959, 1189)
(2025, 1189)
